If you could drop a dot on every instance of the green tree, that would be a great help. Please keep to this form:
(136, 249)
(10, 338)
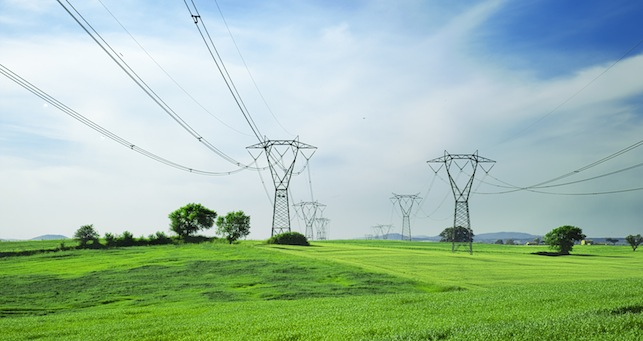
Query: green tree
(613, 241)
(85, 234)
(190, 219)
(562, 238)
(233, 226)
(459, 235)
(634, 241)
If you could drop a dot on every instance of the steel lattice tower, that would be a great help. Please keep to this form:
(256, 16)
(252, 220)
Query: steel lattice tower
(406, 202)
(322, 232)
(282, 155)
(309, 210)
(461, 193)
(383, 230)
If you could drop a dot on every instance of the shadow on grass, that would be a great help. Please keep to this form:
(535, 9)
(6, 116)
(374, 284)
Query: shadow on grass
(557, 254)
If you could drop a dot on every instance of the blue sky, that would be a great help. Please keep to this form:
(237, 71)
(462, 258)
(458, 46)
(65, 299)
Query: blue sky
(532, 34)
(542, 87)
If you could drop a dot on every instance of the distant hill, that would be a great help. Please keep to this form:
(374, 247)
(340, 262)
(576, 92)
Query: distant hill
(397, 236)
(516, 236)
(483, 237)
(49, 237)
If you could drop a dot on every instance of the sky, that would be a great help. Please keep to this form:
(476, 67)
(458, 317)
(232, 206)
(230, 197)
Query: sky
(548, 89)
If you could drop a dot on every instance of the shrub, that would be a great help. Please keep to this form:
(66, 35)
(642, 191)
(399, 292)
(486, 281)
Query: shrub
(110, 239)
(125, 239)
(159, 238)
(459, 234)
(289, 238)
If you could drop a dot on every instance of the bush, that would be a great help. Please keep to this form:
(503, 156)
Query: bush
(289, 238)
(160, 238)
(110, 239)
(125, 239)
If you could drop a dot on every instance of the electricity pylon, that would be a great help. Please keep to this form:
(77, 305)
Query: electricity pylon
(382, 230)
(282, 155)
(309, 211)
(406, 202)
(322, 231)
(461, 193)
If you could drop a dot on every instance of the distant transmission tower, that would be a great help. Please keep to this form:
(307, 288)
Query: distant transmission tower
(460, 192)
(382, 230)
(322, 228)
(282, 155)
(406, 202)
(309, 210)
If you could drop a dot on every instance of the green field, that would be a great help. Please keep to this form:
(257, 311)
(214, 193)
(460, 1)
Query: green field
(334, 290)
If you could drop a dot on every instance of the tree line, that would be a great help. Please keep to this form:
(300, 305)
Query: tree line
(185, 222)
(562, 238)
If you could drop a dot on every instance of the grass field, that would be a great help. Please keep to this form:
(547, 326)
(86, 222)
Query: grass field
(334, 290)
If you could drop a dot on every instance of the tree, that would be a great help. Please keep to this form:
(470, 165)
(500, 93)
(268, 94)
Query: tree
(563, 238)
(85, 234)
(611, 240)
(634, 241)
(499, 241)
(233, 226)
(462, 235)
(190, 219)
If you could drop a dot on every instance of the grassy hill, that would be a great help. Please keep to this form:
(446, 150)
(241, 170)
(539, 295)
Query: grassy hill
(335, 290)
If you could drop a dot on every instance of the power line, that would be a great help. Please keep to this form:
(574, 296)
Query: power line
(167, 74)
(84, 120)
(516, 188)
(214, 53)
(87, 27)
(545, 184)
(249, 73)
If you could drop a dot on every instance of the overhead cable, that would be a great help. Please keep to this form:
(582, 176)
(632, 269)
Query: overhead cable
(214, 53)
(167, 74)
(545, 184)
(84, 120)
(248, 69)
(87, 27)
